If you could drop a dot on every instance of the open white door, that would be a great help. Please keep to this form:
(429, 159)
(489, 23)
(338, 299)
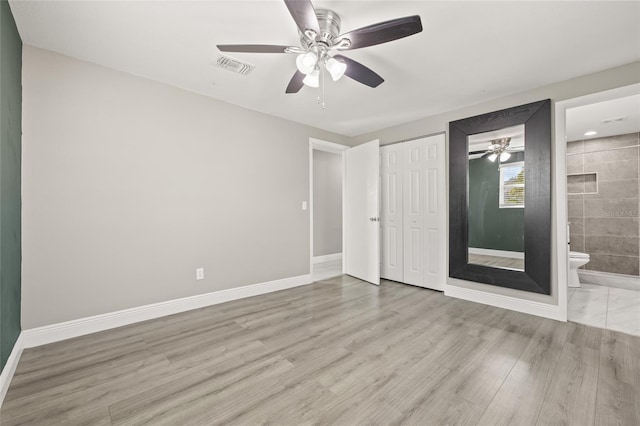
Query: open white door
(361, 227)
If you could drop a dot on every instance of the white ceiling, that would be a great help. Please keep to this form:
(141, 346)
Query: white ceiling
(469, 52)
(598, 117)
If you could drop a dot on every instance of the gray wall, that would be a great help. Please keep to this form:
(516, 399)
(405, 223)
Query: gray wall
(327, 203)
(10, 133)
(129, 185)
(604, 213)
(592, 83)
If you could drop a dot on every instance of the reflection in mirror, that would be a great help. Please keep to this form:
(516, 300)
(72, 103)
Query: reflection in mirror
(496, 198)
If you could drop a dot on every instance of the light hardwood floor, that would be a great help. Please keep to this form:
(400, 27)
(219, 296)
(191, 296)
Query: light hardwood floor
(337, 352)
(497, 261)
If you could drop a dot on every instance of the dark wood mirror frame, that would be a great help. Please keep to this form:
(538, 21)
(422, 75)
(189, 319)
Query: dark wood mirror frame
(536, 276)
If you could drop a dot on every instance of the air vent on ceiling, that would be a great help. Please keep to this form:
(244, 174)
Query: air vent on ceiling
(613, 120)
(234, 65)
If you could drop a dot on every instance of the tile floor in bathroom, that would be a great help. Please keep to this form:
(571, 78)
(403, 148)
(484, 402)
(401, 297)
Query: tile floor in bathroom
(605, 307)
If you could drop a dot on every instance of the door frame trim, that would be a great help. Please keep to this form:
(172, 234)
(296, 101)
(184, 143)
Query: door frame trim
(335, 148)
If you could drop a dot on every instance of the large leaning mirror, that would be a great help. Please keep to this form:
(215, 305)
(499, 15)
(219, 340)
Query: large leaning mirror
(500, 198)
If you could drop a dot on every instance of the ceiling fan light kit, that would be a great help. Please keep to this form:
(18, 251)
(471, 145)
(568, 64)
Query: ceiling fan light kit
(498, 149)
(320, 39)
(306, 62)
(312, 79)
(335, 68)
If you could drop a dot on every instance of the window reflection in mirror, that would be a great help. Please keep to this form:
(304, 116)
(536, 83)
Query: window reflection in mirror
(496, 198)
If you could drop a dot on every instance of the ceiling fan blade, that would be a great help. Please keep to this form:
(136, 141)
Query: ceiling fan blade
(303, 13)
(253, 48)
(360, 73)
(296, 83)
(382, 32)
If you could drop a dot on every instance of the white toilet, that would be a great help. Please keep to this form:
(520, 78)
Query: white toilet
(576, 260)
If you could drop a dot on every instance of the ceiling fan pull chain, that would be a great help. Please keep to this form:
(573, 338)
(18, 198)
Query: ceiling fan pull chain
(322, 73)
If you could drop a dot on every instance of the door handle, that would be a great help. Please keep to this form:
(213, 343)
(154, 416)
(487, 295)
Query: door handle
(374, 219)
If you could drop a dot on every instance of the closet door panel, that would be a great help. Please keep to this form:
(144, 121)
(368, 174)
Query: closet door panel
(434, 213)
(392, 262)
(413, 213)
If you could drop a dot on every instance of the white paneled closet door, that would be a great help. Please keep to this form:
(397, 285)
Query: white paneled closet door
(413, 212)
(435, 220)
(391, 233)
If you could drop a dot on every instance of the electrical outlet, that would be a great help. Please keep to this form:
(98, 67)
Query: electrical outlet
(199, 273)
(304, 205)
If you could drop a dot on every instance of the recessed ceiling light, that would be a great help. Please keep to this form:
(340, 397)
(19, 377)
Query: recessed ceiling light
(590, 133)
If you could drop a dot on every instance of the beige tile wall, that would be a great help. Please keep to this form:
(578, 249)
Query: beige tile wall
(603, 184)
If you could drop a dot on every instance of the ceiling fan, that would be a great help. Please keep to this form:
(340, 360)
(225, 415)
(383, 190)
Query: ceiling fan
(320, 39)
(498, 148)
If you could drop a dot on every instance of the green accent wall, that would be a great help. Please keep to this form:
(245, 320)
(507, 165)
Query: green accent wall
(10, 202)
(491, 227)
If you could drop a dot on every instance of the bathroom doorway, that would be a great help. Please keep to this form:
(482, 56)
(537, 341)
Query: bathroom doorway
(603, 200)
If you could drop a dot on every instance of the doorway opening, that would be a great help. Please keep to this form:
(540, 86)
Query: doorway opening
(326, 182)
(600, 144)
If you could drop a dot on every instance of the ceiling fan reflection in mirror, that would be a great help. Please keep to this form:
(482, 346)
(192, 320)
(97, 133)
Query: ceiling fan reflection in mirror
(498, 149)
(320, 42)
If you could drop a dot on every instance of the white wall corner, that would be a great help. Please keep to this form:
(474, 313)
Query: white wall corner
(10, 367)
(531, 307)
(80, 327)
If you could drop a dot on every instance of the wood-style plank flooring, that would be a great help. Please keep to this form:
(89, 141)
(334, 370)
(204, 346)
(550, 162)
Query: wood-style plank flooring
(337, 352)
(497, 261)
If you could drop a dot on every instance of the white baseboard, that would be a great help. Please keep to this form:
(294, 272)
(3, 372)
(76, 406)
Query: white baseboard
(498, 253)
(609, 279)
(80, 327)
(506, 302)
(10, 367)
(327, 258)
